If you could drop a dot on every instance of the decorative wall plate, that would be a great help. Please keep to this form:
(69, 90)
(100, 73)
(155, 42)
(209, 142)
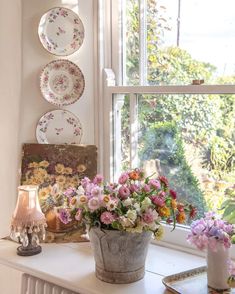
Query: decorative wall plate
(62, 82)
(61, 31)
(59, 127)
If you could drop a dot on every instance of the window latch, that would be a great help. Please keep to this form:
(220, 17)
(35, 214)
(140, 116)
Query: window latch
(197, 82)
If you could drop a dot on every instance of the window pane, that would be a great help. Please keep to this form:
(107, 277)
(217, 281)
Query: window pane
(121, 133)
(191, 140)
(186, 40)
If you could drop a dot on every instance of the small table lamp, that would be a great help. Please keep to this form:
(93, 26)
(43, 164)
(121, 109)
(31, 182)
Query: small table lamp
(28, 221)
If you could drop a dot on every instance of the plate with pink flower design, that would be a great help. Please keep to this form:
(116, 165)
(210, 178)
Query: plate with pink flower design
(61, 31)
(59, 127)
(62, 82)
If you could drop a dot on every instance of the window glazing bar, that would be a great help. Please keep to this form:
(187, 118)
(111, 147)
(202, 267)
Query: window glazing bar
(189, 89)
(143, 42)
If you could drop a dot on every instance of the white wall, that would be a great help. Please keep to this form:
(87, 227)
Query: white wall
(10, 96)
(20, 110)
(35, 57)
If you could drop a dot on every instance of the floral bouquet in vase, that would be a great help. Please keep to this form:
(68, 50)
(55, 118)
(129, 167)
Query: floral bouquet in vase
(215, 235)
(121, 218)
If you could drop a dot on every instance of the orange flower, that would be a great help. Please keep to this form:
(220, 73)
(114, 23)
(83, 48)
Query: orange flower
(181, 217)
(134, 175)
(173, 203)
(164, 211)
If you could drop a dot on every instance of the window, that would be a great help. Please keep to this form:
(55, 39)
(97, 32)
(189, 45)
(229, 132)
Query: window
(173, 108)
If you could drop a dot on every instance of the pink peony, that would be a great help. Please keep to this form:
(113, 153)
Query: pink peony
(154, 184)
(124, 192)
(123, 178)
(158, 201)
(134, 188)
(146, 188)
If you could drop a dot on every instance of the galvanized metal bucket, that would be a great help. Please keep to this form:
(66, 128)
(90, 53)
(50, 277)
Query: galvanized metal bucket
(119, 256)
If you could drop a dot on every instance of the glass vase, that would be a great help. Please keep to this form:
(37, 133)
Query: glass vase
(217, 267)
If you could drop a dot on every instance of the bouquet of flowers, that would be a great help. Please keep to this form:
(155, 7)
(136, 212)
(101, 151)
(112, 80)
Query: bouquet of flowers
(208, 231)
(134, 204)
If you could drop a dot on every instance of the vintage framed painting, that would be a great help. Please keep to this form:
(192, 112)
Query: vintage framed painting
(55, 169)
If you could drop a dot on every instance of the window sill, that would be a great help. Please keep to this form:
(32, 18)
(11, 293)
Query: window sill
(71, 265)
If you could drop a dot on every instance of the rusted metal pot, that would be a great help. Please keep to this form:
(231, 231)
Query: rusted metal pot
(119, 256)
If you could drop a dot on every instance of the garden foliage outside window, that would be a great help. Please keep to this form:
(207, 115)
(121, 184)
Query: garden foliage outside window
(187, 137)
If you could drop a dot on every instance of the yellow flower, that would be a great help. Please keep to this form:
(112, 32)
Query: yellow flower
(60, 179)
(159, 233)
(68, 170)
(106, 198)
(81, 168)
(40, 172)
(181, 217)
(44, 163)
(75, 181)
(33, 165)
(44, 192)
(173, 203)
(59, 168)
(83, 199)
(73, 201)
(164, 211)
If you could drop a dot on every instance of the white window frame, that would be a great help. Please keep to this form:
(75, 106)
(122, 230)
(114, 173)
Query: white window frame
(109, 61)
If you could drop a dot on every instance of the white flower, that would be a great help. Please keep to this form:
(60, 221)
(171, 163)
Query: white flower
(146, 203)
(131, 214)
(137, 207)
(80, 191)
(111, 205)
(125, 222)
(138, 229)
(153, 226)
(127, 202)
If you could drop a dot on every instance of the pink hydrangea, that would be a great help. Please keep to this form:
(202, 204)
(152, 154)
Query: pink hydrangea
(209, 231)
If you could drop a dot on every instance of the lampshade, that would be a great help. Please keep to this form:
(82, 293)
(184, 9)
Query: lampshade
(28, 211)
(28, 221)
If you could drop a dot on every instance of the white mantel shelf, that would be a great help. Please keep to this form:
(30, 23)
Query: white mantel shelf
(71, 265)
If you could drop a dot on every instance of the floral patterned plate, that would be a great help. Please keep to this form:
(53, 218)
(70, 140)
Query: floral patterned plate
(61, 31)
(62, 82)
(59, 127)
